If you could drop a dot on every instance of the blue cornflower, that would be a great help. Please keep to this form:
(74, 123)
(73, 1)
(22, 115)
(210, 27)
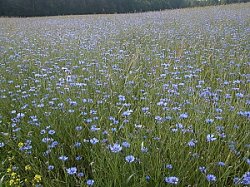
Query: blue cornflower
(158, 118)
(78, 158)
(47, 140)
(239, 95)
(125, 121)
(147, 178)
(121, 98)
(211, 178)
(192, 143)
(171, 180)
(145, 109)
(169, 166)
(115, 148)
(222, 135)
(54, 144)
(127, 113)
(210, 138)
(90, 182)
(94, 141)
(81, 174)
(179, 126)
(20, 115)
(246, 178)
(236, 180)
(130, 158)
(51, 132)
(183, 116)
(77, 144)
(93, 112)
(63, 158)
(202, 169)
(94, 128)
(126, 144)
(51, 167)
(221, 163)
(219, 110)
(72, 170)
(1, 144)
(105, 132)
(89, 120)
(43, 131)
(209, 121)
(220, 128)
(78, 128)
(144, 149)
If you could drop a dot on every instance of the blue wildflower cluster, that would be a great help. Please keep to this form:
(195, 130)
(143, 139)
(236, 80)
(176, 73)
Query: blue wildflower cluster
(145, 99)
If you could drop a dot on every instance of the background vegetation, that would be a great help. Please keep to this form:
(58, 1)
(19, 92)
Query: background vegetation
(65, 7)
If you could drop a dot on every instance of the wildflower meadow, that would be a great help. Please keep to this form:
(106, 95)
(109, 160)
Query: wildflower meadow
(146, 99)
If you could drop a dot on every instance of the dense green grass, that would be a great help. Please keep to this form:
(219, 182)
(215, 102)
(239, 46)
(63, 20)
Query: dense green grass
(170, 88)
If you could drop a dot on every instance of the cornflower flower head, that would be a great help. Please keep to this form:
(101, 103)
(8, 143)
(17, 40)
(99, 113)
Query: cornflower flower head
(209, 121)
(172, 180)
(126, 144)
(72, 170)
(183, 116)
(77, 144)
(94, 128)
(169, 166)
(127, 113)
(115, 148)
(78, 128)
(236, 180)
(90, 182)
(130, 158)
(144, 149)
(145, 109)
(211, 178)
(210, 138)
(20, 115)
(147, 178)
(78, 158)
(246, 178)
(121, 98)
(51, 167)
(63, 158)
(2, 144)
(94, 141)
(202, 169)
(248, 161)
(192, 143)
(221, 163)
(51, 132)
(43, 131)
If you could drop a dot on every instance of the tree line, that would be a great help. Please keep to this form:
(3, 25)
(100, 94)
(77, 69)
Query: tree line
(68, 7)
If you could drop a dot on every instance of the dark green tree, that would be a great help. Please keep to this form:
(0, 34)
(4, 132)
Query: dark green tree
(65, 7)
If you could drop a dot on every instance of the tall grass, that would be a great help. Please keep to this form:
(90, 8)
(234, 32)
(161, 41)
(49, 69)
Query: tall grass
(149, 99)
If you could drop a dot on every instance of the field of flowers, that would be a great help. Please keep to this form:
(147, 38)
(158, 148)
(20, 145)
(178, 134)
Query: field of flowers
(147, 99)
